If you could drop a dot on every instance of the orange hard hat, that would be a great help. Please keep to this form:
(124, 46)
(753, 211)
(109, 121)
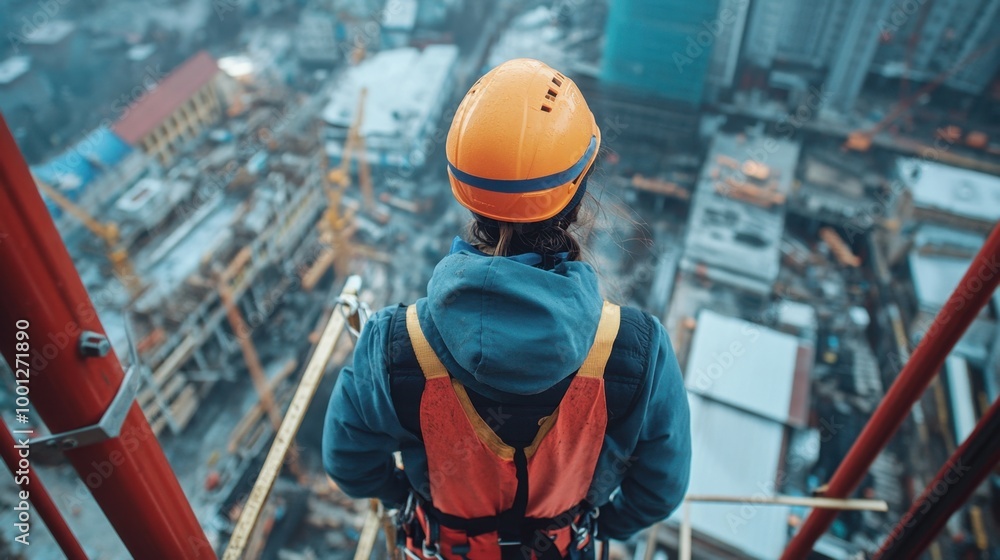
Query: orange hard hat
(521, 143)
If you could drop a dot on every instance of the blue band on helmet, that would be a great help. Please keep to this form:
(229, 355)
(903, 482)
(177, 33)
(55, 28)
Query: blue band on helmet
(518, 186)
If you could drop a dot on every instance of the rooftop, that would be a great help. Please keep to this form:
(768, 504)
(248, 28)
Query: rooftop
(50, 33)
(74, 168)
(532, 34)
(13, 68)
(736, 454)
(404, 88)
(400, 14)
(749, 367)
(938, 261)
(962, 192)
(738, 210)
(166, 97)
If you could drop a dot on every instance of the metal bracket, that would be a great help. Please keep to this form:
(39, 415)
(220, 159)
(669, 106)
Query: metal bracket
(110, 424)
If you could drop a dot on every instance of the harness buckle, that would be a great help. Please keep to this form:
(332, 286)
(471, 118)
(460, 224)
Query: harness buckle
(430, 549)
(410, 554)
(406, 514)
(585, 533)
(581, 531)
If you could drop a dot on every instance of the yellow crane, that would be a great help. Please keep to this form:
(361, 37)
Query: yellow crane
(335, 227)
(355, 143)
(243, 333)
(108, 232)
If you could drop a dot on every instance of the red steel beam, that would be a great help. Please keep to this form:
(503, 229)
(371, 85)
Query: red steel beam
(965, 470)
(129, 476)
(36, 495)
(958, 312)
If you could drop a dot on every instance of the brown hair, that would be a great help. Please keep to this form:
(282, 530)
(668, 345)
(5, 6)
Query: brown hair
(549, 237)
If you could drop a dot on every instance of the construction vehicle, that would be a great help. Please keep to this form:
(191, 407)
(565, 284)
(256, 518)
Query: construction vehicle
(660, 186)
(950, 134)
(976, 139)
(841, 251)
(107, 232)
(765, 197)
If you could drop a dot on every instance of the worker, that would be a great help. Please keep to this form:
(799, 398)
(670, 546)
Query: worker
(533, 418)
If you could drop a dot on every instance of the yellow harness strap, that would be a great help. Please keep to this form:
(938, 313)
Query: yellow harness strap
(604, 340)
(430, 364)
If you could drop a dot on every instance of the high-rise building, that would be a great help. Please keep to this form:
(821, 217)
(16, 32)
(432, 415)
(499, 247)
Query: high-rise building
(840, 36)
(729, 28)
(661, 48)
(939, 36)
(791, 31)
(854, 52)
(849, 39)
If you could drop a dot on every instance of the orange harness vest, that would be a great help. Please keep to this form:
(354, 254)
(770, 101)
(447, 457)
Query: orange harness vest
(491, 500)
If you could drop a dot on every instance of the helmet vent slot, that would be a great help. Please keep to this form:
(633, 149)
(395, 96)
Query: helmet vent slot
(557, 82)
(546, 108)
(552, 94)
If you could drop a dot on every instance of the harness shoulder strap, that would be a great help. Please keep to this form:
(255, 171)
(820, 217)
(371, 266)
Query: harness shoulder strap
(604, 340)
(624, 370)
(430, 364)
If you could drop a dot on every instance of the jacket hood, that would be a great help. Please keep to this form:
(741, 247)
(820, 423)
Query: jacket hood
(509, 324)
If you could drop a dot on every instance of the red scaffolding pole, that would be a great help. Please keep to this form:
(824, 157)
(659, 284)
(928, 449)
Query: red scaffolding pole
(965, 470)
(959, 311)
(128, 475)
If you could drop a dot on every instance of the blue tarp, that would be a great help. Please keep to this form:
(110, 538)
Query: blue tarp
(72, 170)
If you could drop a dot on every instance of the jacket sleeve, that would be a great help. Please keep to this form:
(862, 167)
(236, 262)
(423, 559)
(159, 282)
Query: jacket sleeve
(658, 470)
(358, 433)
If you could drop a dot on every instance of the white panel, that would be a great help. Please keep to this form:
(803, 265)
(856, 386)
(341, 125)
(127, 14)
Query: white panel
(743, 364)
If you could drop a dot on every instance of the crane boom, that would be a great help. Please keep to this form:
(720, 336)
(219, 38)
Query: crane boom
(355, 143)
(108, 232)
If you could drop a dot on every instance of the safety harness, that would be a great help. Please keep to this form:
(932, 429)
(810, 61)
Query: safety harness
(491, 500)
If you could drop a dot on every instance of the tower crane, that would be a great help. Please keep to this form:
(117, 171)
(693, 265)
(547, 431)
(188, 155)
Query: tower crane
(108, 232)
(355, 143)
(336, 227)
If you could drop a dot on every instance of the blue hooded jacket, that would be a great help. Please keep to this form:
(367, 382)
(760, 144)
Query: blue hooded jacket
(504, 326)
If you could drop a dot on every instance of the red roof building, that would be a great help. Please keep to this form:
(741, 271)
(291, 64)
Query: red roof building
(175, 110)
